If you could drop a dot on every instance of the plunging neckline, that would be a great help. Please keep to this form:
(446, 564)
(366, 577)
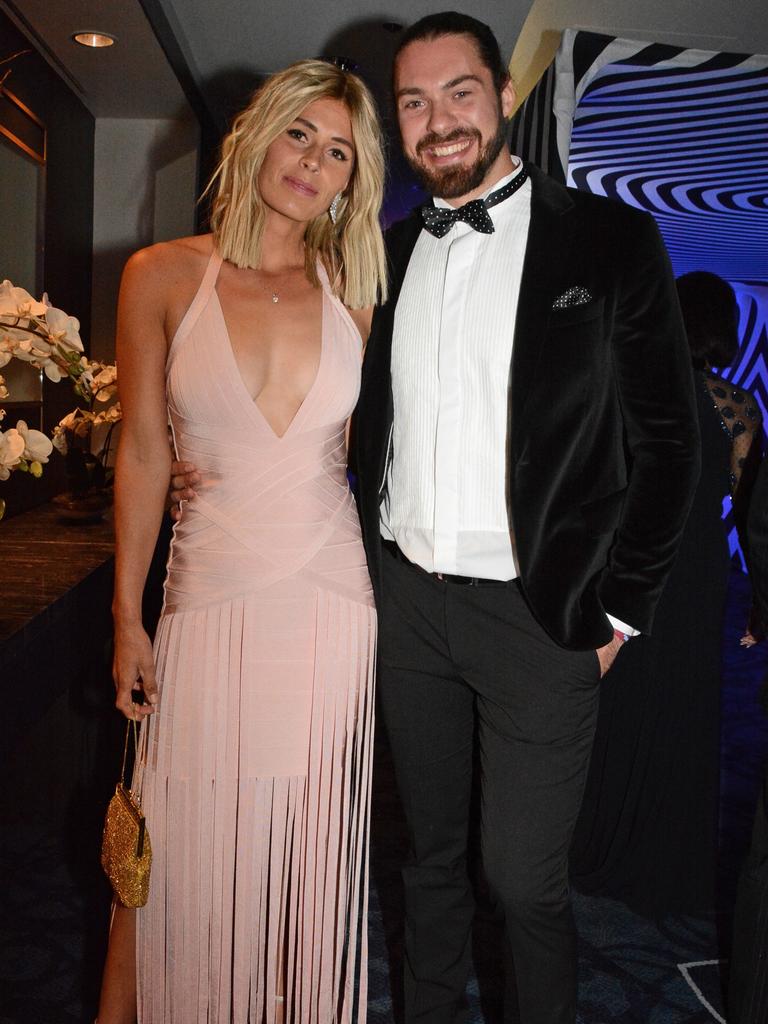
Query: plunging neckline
(251, 401)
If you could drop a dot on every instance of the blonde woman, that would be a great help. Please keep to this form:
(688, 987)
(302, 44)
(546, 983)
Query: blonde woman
(258, 695)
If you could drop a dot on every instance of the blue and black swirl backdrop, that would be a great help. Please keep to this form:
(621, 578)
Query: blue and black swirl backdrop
(680, 133)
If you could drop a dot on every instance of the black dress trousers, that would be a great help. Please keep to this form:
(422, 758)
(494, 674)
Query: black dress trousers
(451, 656)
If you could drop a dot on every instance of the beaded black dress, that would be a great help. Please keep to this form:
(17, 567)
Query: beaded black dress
(647, 833)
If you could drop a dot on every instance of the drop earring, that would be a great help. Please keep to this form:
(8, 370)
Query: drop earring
(333, 209)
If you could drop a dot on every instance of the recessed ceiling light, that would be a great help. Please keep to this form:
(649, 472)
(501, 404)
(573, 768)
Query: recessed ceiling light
(94, 39)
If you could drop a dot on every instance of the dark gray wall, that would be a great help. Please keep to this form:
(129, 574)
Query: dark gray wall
(68, 237)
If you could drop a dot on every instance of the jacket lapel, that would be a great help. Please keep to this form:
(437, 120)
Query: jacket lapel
(375, 409)
(400, 242)
(550, 203)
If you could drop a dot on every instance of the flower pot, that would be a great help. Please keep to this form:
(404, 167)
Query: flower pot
(86, 507)
(85, 473)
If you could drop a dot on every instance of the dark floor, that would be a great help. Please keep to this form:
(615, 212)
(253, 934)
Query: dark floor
(632, 970)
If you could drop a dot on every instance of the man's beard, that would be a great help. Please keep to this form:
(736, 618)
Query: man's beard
(454, 182)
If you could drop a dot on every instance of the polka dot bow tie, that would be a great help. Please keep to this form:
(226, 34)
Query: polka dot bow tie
(439, 220)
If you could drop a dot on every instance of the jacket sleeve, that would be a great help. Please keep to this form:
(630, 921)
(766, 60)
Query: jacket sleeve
(654, 382)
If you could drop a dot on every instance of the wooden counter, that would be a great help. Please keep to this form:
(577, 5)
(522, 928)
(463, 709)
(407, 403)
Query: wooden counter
(42, 559)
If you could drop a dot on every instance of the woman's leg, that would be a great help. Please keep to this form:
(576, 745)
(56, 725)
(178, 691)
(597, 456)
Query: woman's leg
(117, 1004)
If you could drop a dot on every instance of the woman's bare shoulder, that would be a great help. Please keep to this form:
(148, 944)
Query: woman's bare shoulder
(166, 262)
(160, 282)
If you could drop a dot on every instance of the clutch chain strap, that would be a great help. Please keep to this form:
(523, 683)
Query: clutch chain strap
(139, 764)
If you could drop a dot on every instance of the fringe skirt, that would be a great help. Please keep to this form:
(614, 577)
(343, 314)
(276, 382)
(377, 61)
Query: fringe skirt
(257, 798)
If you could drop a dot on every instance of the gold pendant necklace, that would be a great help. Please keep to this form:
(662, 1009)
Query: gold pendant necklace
(275, 297)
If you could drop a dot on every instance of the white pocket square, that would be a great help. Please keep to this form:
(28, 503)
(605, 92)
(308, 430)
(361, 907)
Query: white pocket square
(578, 295)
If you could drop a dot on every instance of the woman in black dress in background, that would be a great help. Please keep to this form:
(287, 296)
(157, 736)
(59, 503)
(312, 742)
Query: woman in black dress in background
(647, 833)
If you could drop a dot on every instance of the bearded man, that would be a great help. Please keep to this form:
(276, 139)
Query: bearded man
(526, 452)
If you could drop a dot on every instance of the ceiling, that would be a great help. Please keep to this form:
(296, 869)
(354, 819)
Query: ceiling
(228, 45)
(212, 52)
(130, 79)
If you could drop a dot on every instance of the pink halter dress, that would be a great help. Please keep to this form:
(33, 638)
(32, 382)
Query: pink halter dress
(257, 790)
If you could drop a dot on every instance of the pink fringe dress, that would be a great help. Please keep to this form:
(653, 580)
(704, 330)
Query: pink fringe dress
(257, 789)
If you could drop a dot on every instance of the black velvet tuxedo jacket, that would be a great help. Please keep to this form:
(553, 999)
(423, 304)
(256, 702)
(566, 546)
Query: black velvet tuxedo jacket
(602, 429)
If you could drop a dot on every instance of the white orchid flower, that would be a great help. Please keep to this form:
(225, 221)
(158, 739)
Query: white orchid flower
(51, 370)
(3, 388)
(59, 440)
(104, 384)
(23, 349)
(17, 302)
(67, 422)
(30, 349)
(11, 337)
(111, 415)
(8, 346)
(37, 358)
(87, 370)
(78, 421)
(37, 446)
(11, 451)
(63, 329)
(7, 341)
(84, 424)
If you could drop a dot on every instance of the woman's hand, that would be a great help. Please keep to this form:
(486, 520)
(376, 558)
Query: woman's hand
(755, 631)
(134, 669)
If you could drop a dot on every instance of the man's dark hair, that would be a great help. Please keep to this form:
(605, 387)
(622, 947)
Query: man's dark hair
(711, 318)
(451, 23)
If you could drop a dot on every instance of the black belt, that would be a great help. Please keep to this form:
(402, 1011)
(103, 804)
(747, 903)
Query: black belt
(443, 577)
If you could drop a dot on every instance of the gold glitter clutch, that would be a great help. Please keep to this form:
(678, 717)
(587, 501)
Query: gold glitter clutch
(126, 852)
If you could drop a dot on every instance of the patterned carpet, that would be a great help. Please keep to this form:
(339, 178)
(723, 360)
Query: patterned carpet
(54, 904)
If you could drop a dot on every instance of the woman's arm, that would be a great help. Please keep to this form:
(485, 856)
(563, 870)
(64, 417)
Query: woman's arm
(142, 469)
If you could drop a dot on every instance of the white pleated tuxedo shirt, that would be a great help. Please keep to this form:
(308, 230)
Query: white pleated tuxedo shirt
(445, 501)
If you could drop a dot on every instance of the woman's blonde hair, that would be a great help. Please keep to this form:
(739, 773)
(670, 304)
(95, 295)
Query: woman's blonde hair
(352, 249)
